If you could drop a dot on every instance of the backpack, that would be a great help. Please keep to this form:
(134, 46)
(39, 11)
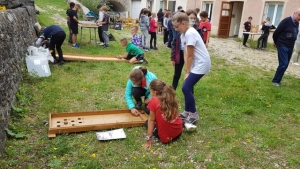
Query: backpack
(92, 14)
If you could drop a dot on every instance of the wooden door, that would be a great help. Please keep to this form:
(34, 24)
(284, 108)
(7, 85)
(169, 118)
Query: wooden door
(225, 19)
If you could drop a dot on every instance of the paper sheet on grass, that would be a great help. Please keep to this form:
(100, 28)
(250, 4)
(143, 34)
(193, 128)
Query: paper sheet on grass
(111, 135)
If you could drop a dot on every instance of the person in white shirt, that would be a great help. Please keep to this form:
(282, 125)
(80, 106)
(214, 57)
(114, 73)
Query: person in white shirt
(197, 63)
(100, 31)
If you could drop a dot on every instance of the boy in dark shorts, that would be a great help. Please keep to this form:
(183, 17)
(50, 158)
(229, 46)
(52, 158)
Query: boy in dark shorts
(72, 4)
(133, 53)
(74, 24)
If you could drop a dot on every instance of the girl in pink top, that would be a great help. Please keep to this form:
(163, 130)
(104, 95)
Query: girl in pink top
(152, 30)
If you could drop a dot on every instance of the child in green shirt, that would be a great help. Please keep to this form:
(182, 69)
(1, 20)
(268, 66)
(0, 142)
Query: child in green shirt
(133, 53)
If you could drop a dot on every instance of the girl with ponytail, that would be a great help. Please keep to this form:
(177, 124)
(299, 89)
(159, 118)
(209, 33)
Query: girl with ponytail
(164, 121)
(138, 86)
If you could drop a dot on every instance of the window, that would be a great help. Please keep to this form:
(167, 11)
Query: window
(274, 11)
(208, 7)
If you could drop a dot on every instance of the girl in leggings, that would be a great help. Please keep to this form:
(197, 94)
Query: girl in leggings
(197, 63)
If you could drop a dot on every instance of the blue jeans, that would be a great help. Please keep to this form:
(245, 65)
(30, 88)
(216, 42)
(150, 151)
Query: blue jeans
(284, 57)
(187, 89)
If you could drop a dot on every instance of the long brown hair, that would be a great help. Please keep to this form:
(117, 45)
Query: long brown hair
(167, 98)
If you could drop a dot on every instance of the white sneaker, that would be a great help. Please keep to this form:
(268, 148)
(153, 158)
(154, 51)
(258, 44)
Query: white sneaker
(296, 63)
(101, 43)
(190, 127)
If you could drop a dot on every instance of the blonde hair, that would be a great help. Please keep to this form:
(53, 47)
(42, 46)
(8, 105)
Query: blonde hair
(138, 74)
(180, 17)
(153, 14)
(135, 28)
(104, 8)
(167, 98)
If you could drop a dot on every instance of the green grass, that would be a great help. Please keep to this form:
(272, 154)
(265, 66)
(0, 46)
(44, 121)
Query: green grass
(245, 121)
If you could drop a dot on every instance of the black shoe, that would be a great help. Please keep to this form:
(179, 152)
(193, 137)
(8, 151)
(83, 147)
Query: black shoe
(105, 46)
(258, 48)
(61, 63)
(155, 48)
(245, 46)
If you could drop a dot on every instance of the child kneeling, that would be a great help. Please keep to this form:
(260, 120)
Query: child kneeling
(133, 53)
(164, 121)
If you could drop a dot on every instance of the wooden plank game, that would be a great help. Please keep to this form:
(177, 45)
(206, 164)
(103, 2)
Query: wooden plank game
(81, 57)
(96, 120)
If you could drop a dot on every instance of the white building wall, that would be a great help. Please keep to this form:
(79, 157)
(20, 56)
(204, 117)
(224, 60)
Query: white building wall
(182, 3)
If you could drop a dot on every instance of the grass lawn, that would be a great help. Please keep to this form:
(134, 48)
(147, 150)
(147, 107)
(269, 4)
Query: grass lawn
(245, 121)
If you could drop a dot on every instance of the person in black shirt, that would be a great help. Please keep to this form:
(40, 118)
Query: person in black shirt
(74, 24)
(160, 18)
(72, 4)
(57, 35)
(284, 39)
(266, 26)
(247, 28)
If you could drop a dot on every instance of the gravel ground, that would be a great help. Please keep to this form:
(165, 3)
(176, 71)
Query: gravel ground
(234, 52)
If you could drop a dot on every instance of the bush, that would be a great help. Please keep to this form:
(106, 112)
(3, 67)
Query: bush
(92, 5)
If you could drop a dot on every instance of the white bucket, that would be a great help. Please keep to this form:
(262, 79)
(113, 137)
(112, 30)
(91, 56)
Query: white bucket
(37, 61)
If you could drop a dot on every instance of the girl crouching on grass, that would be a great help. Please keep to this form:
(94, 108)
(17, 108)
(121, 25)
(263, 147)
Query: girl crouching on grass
(164, 121)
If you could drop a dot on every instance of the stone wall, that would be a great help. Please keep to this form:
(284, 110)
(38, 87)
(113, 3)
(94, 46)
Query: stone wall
(11, 3)
(16, 34)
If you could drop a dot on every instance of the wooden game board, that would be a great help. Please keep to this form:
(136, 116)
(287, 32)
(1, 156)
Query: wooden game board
(97, 120)
(80, 57)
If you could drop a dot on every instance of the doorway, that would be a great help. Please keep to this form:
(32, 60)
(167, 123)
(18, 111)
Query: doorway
(225, 19)
(236, 19)
(230, 19)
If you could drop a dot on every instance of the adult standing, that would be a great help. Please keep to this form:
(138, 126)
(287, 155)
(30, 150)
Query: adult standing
(247, 28)
(57, 35)
(138, 86)
(284, 39)
(296, 53)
